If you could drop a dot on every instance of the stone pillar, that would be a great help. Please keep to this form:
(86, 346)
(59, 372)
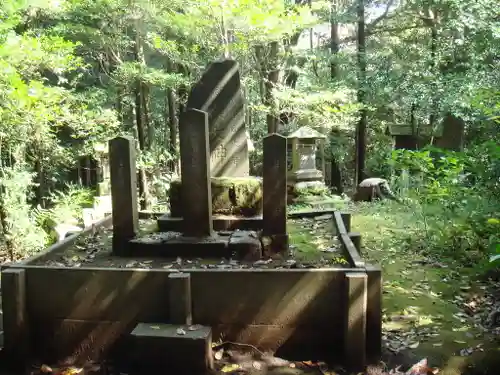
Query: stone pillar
(374, 313)
(15, 319)
(195, 173)
(180, 298)
(355, 328)
(123, 193)
(275, 191)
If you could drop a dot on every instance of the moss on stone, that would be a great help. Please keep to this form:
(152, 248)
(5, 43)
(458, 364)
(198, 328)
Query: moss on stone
(230, 196)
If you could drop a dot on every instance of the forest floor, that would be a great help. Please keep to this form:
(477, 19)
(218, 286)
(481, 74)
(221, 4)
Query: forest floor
(433, 308)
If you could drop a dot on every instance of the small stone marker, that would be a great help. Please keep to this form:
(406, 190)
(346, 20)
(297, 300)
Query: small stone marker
(218, 92)
(274, 187)
(179, 285)
(123, 192)
(195, 173)
(160, 346)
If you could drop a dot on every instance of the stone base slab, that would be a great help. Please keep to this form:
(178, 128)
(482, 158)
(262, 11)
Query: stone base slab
(168, 223)
(244, 245)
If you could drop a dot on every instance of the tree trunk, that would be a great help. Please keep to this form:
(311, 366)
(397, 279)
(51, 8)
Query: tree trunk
(171, 107)
(270, 83)
(334, 41)
(434, 90)
(361, 126)
(336, 173)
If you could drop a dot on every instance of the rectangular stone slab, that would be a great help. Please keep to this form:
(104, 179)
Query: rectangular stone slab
(195, 171)
(237, 245)
(161, 346)
(218, 92)
(173, 244)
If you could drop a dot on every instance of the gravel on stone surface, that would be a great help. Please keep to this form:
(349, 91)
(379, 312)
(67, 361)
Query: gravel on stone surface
(312, 245)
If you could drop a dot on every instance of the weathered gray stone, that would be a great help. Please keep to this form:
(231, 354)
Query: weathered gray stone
(181, 349)
(195, 173)
(219, 93)
(123, 192)
(179, 284)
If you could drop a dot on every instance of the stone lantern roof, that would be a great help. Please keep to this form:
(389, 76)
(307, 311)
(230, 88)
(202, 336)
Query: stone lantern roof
(306, 132)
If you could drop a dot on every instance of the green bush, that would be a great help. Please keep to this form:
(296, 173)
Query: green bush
(455, 196)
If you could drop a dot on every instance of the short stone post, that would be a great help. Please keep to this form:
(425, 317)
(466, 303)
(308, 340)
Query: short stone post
(123, 193)
(195, 173)
(355, 328)
(374, 312)
(179, 285)
(15, 319)
(275, 191)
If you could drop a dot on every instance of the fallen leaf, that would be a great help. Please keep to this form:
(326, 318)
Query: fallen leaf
(218, 354)
(230, 368)
(71, 371)
(45, 369)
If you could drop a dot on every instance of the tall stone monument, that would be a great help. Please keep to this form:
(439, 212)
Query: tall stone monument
(219, 93)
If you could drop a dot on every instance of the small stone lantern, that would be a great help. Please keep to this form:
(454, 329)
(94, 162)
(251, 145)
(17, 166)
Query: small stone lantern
(102, 156)
(302, 147)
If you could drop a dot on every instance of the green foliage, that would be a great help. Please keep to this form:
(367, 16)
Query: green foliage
(451, 194)
(19, 233)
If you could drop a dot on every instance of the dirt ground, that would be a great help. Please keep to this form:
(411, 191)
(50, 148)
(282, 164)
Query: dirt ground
(312, 245)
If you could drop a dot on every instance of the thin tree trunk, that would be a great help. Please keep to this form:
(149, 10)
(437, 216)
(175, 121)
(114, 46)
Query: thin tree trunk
(4, 225)
(171, 119)
(334, 42)
(434, 91)
(270, 83)
(335, 171)
(141, 117)
(361, 127)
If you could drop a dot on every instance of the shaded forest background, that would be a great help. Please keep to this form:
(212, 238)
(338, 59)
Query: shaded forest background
(74, 73)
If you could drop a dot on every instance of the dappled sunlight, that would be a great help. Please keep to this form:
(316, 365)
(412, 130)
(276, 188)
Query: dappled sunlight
(289, 307)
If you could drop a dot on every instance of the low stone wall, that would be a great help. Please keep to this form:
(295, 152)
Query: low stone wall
(71, 315)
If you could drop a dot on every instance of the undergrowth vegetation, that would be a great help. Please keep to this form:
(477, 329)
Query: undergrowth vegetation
(451, 204)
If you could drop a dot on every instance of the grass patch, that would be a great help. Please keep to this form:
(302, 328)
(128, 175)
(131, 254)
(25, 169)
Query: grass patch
(421, 313)
(310, 240)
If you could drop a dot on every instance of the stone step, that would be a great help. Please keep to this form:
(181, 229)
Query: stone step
(243, 245)
(220, 222)
(176, 349)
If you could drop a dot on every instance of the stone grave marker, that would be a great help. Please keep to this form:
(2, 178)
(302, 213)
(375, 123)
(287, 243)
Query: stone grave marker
(123, 192)
(274, 189)
(219, 93)
(195, 173)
